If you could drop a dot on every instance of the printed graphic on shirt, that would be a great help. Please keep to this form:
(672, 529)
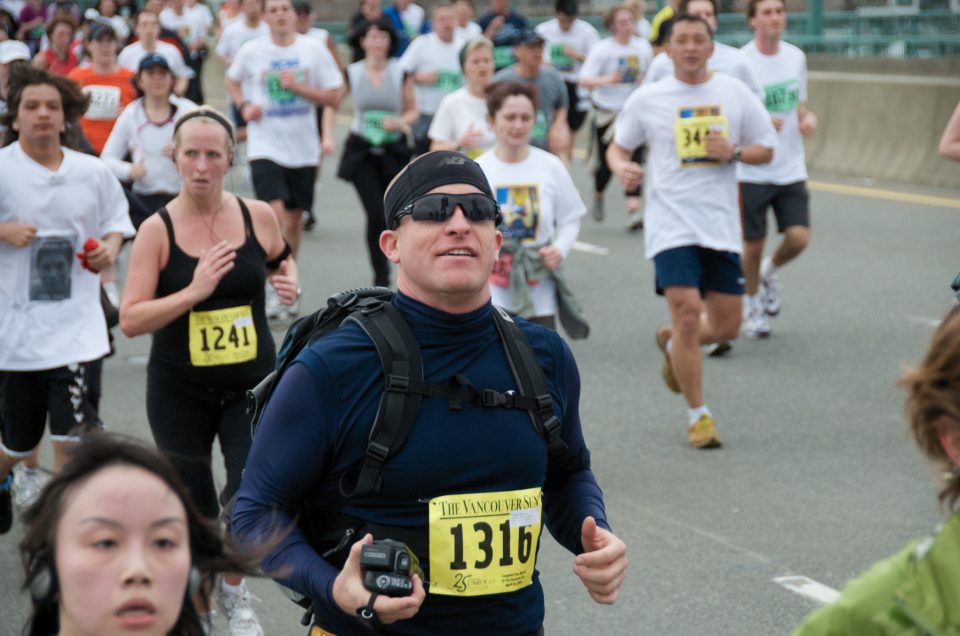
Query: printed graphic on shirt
(629, 67)
(283, 101)
(559, 58)
(104, 102)
(51, 263)
(448, 80)
(222, 336)
(782, 97)
(520, 205)
(690, 130)
(484, 543)
(373, 130)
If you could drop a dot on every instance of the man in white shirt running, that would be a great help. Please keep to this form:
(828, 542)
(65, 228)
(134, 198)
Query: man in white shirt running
(277, 83)
(148, 41)
(782, 70)
(250, 27)
(725, 59)
(697, 126)
(434, 62)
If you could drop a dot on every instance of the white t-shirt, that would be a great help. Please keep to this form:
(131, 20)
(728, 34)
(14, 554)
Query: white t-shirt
(430, 53)
(472, 30)
(322, 35)
(631, 59)
(725, 59)
(541, 206)
(50, 313)
(412, 18)
(226, 20)
(134, 133)
(691, 200)
(238, 34)
(643, 28)
(192, 26)
(581, 37)
(131, 55)
(459, 111)
(784, 80)
(287, 133)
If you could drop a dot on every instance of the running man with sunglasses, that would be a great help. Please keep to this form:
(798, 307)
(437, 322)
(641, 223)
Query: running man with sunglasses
(442, 235)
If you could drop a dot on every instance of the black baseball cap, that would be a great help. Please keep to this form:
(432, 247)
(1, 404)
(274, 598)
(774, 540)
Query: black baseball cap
(99, 29)
(302, 6)
(530, 37)
(151, 60)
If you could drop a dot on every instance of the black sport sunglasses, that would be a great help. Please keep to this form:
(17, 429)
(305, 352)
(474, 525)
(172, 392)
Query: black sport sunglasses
(439, 206)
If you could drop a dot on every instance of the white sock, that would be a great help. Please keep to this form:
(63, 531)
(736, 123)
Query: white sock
(236, 590)
(754, 303)
(668, 345)
(767, 268)
(694, 414)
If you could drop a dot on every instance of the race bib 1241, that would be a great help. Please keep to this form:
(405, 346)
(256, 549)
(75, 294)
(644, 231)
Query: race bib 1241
(484, 543)
(222, 336)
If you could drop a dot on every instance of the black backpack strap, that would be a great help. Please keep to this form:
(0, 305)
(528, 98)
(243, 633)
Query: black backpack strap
(530, 379)
(400, 401)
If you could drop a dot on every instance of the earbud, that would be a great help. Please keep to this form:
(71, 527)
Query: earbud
(43, 583)
(194, 582)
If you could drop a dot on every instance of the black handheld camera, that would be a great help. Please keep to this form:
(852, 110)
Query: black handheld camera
(388, 568)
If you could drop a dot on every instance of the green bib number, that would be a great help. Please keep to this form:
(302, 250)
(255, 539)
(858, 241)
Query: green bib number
(276, 93)
(559, 58)
(540, 127)
(373, 130)
(503, 56)
(782, 97)
(448, 80)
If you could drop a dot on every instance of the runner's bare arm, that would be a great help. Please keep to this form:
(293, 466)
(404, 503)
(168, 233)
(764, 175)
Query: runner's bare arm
(629, 172)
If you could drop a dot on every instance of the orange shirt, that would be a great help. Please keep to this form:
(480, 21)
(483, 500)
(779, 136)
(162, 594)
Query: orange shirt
(109, 95)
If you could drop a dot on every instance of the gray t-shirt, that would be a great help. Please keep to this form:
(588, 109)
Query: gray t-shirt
(551, 95)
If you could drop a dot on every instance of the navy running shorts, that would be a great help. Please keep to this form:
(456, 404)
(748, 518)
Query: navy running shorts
(694, 266)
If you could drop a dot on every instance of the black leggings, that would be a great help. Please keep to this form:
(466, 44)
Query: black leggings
(371, 181)
(185, 419)
(603, 175)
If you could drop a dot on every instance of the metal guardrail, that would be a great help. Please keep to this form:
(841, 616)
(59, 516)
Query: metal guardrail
(930, 34)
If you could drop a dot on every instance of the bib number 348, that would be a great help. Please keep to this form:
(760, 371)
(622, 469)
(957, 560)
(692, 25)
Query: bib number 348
(484, 543)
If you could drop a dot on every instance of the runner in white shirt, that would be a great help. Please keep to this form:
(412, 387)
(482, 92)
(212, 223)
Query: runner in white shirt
(144, 132)
(782, 70)
(467, 29)
(278, 82)
(192, 22)
(147, 30)
(697, 126)
(461, 122)
(242, 31)
(725, 59)
(434, 62)
(540, 204)
(612, 70)
(53, 200)
(567, 40)
(642, 28)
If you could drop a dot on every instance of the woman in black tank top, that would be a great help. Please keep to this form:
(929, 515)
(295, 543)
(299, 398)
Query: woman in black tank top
(196, 281)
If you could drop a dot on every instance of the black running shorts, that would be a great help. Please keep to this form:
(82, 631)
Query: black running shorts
(790, 205)
(293, 186)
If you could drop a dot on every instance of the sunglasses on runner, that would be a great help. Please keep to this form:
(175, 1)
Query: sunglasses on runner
(440, 206)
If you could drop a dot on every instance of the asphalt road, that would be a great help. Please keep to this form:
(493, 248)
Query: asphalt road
(816, 478)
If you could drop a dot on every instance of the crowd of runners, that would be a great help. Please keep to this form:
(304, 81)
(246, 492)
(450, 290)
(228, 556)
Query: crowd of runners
(107, 144)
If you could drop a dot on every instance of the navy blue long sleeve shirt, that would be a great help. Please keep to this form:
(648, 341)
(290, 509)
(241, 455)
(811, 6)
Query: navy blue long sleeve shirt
(317, 425)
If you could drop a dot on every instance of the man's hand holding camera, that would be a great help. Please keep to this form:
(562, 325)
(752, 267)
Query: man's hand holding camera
(351, 594)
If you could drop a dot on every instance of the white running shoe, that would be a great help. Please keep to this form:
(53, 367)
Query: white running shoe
(238, 609)
(756, 325)
(274, 307)
(28, 483)
(770, 293)
(293, 310)
(634, 221)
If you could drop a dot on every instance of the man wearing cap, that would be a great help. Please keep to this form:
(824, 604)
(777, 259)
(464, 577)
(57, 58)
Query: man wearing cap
(441, 218)
(106, 82)
(12, 52)
(551, 130)
(148, 41)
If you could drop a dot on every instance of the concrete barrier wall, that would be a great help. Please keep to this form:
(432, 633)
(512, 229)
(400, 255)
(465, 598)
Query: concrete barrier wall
(882, 126)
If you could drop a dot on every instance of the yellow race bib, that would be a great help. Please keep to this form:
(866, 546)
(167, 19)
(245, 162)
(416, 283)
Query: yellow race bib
(222, 336)
(690, 131)
(484, 543)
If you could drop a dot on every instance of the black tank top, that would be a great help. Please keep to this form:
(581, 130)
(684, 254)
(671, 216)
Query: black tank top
(223, 326)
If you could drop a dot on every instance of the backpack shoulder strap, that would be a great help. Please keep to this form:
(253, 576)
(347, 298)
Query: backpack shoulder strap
(400, 402)
(529, 377)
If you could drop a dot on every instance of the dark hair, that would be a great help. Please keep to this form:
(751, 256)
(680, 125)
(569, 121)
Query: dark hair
(682, 7)
(567, 7)
(752, 7)
(933, 392)
(613, 11)
(59, 18)
(208, 552)
(73, 100)
(686, 17)
(382, 23)
(498, 92)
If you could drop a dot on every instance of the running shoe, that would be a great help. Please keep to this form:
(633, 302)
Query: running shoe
(599, 209)
(274, 307)
(663, 334)
(28, 483)
(634, 221)
(756, 325)
(770, 293)
(718, 349)
(293, 310)
(703, 433)
(238, 608)
(6, 504)
(309, 220)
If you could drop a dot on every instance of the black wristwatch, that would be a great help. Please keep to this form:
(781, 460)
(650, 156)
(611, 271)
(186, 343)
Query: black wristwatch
(736, 153)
